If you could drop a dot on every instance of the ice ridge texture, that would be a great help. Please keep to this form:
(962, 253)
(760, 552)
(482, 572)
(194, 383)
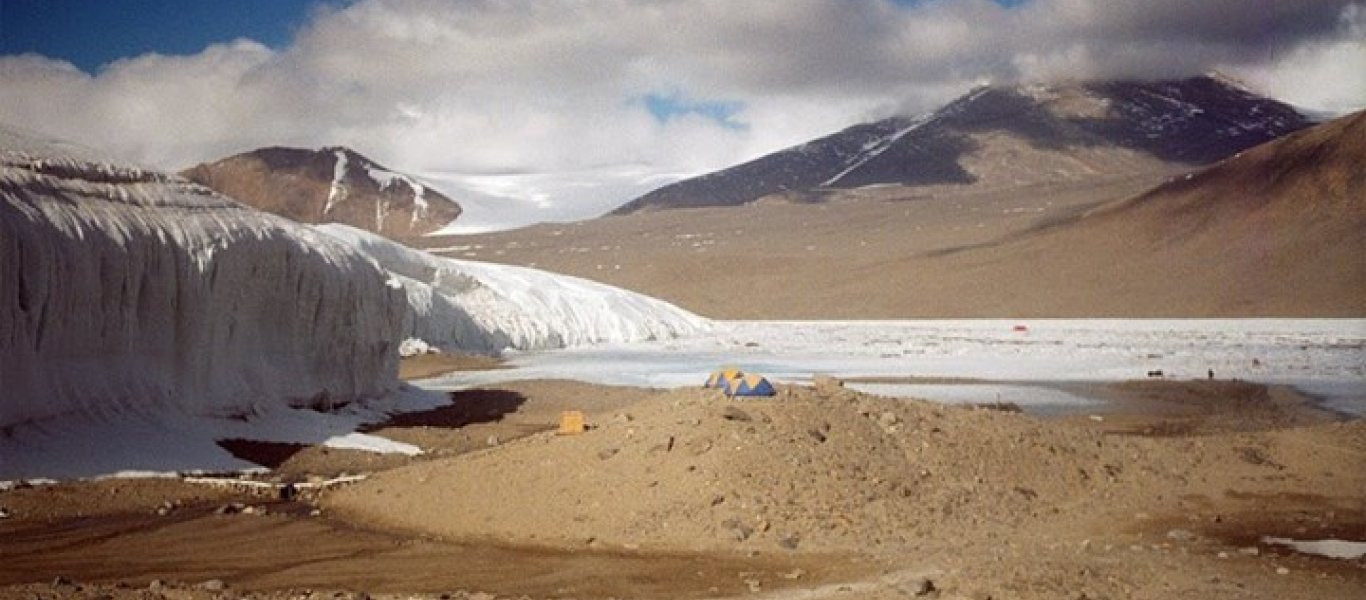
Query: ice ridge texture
(129, 291)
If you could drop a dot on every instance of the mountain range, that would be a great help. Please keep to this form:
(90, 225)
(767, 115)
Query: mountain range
(1275, 230)
(1008, 136)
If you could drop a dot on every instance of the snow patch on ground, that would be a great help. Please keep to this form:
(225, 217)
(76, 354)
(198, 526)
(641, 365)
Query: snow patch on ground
(1331, 548)
(178, 443)
(414, 346)
(371, 443)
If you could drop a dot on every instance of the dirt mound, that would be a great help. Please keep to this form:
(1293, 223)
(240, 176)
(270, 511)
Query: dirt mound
(685, 494)
(806, 470)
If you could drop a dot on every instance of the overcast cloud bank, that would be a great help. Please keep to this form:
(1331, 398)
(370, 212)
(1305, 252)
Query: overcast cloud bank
(487, 88)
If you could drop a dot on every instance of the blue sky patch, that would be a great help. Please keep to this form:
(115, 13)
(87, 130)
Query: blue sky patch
(93, 33)
(665, 107)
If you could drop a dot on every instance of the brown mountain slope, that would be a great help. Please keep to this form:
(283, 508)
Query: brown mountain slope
(331, 185)
(1279, 230)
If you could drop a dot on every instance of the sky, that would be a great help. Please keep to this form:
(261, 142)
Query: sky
(557, 109)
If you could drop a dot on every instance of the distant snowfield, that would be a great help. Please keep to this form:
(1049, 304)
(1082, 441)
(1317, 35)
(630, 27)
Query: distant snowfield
(501, 202)
(1323, 357)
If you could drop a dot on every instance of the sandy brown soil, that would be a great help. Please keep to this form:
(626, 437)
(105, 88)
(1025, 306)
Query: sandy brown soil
(812, 494)
(778, 259)
(432, 364)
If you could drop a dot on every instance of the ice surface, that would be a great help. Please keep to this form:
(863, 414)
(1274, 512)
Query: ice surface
(137, 297)
(1332, 548)
(1324, 357)
(483, 307)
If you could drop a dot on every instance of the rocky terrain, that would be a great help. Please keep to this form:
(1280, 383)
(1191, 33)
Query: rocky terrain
(329, 185)
(1008, 137)
(816, 493)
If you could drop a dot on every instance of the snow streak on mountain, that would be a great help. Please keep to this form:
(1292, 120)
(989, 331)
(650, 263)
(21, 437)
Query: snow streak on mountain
(331, 185)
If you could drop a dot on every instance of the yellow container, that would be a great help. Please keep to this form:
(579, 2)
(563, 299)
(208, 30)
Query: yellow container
(571, 422)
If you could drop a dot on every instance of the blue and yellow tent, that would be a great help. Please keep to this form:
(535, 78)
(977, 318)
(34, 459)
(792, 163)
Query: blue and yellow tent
(720, 379)
(749, 385)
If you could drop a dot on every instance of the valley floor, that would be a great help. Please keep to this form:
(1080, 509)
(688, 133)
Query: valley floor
(816, 493)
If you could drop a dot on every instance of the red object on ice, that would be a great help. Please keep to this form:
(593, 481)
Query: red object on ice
(1020, 328)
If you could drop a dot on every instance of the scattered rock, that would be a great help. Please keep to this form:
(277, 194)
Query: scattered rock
(717, 499)
(4, 513)
(790, 542)
(888, 419)
(607, 453)
(1180, 535)
(920, 586)
(739, 529)
(1249, 551)
(826, 383)
(1255, 456)
(230, 509)
(61, 581)
(213, 585)
(731, 413)
(817, 435)
(1282, 571)
(493, 440)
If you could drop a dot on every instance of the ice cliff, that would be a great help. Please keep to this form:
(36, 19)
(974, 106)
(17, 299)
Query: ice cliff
(127, 292)
(484, 307)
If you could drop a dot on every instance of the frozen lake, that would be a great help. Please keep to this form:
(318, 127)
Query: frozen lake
(1323, 357)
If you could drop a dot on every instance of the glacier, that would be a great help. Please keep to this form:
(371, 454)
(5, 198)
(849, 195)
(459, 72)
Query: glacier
(143, 318)
(493, 308)
(129, 294)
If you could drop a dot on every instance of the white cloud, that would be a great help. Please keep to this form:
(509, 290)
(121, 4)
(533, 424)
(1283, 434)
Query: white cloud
(1325, 75)
(547, 87)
